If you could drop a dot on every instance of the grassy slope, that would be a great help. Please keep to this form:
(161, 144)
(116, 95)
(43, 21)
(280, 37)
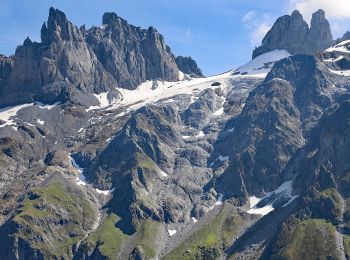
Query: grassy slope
(107, 237)
(209, 241)
(52, 220)
(311, 239)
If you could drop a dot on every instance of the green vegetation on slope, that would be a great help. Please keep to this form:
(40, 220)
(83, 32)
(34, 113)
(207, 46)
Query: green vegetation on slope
(310, 239)
(146, 237)
(347, 246)
(210, 240)
(53, 220)
(107, 237)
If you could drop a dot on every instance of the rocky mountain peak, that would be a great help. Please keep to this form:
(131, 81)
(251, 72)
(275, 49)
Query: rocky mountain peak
(58, 28)
(188, 66)
(320, 36)
(318, 17)
(292, 33)
(111, 18)
(85, 61)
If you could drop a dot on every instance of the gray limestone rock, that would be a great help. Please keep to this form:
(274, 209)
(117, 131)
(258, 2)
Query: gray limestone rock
(70, 61)
(292, 33)
(188, 66)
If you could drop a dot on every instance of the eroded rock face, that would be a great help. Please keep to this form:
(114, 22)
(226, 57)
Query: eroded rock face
(275, 123)
(189, 66)
(292, 33)
(72, 61)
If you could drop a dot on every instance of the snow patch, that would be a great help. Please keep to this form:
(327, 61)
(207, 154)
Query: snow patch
(262, 64)
(41, 122)
(340, 47)
(44, 106)
(171, 232)
(219, 112)
(163, 173)
(282, 193)
(345, 73)
(103, 100)
(7, 114)
(223, 158)
(80, 178)
(231, 130)
(219, 201)
(200, 134)
(194, 220)
(104, 192)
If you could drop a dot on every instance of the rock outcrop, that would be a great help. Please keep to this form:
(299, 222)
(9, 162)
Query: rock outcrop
(292, 33)
(72, 61)
(189, 66)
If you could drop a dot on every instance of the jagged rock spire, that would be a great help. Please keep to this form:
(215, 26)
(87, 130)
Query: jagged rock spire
(292, 33)
(58, 28)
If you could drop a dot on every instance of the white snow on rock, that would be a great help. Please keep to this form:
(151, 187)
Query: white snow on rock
(153, 91)
(262, 64)
(223, 158)
(186, 137)
(103, 100)
(283, 191)
(231, 130)
(184, 76)
(200, 134)
(7, 114)
(340, 47)
(41, 122)
(219, 112)
(171, 232)
(44, 106)
(219, 201)
(345, 73)
(104, 192)
(194, 220)
(81, 178)
(334, 59)
(163, 173)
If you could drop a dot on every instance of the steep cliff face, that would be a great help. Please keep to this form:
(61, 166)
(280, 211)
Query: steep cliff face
(189, 66)
(72, 62)
(130, 54)
(276, 122)
(292, 33)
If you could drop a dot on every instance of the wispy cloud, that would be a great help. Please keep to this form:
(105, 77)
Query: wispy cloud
(339, 9)
(258, 26)
(188, 37)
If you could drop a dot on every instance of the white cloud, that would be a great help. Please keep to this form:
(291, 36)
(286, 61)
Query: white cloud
(258, 26)
(337, 12)
(188, 36)
(338, 9)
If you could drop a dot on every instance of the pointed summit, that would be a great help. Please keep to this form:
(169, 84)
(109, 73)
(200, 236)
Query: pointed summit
(292, 33)
(58, 28)
(320, 36)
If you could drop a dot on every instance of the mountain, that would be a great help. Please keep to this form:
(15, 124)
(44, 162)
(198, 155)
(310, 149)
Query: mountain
(71, 61)
(114, 148)
(292, 33)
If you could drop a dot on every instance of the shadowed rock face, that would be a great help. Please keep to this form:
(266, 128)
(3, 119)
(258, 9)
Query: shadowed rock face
(292, 33)
(69, 61)
(189, 66)
(275, 122)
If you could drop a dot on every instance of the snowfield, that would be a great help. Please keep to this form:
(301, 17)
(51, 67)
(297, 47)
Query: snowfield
(340, 47)
(282, 192)
(154, 91)
(261, 65)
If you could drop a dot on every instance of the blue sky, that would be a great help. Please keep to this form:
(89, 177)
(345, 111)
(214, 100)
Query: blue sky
(218, 34)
